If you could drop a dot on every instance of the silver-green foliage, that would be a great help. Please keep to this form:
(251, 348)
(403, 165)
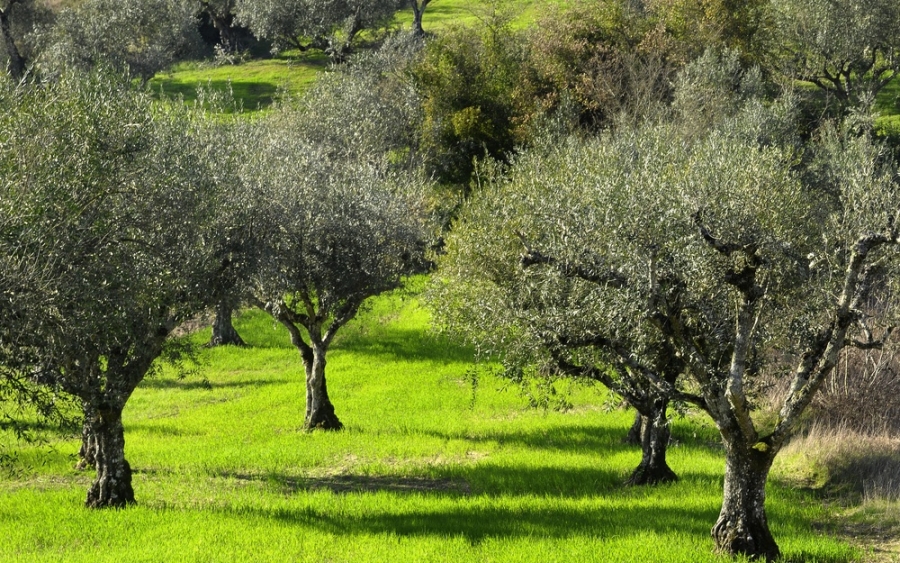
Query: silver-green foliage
(137, 36)
(337, 169)
(329, 25)
(619, 205)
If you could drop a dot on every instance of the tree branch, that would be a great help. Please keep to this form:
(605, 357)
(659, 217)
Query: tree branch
(821, 356)
(533, 257)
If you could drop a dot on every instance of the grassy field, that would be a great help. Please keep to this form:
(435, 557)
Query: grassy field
(429, 468)
(256, 83)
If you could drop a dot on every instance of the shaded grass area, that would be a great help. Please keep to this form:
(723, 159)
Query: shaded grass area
(426, 470)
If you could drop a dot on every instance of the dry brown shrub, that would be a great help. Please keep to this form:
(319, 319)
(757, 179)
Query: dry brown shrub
(862, 394)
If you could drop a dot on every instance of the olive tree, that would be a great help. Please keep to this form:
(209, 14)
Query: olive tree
(110, 200)
(141, 37)
(329, 25)
(337, 208)
(709, 255)
(849, 48)
(20, 25)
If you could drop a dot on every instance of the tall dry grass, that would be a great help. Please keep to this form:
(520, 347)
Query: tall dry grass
(850, 443)
(844, 462)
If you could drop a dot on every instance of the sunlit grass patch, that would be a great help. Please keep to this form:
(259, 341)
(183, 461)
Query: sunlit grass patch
(254, 84)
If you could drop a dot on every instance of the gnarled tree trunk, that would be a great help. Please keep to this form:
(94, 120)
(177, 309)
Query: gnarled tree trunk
(87, 454)
(223, 331)
(654, 435)
(319, 410)
(112, 487)
(742, 527)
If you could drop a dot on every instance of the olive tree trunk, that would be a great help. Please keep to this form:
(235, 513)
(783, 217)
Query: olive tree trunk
(223, 331)
(742, 527)
(16, 63)
(654, 440)
(87, 454)
(112, 487)
(418, 10)
(634, 433)
(319, 410)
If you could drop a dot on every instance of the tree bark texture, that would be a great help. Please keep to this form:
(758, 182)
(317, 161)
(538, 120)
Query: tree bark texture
(223, 331)
(319, 410)
(633, 437)
(654, 439)
(16, 65)
(87, 454)
(112, 487)
(418, 10)
(742, 527)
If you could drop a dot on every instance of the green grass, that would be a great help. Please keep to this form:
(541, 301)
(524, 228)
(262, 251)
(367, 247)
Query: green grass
(441, 14)
(888, 106)
(427, 469)
(255, 84)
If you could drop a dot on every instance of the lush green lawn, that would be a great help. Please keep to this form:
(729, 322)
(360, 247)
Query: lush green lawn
(254, 84)
(427, 469)
(888, 105)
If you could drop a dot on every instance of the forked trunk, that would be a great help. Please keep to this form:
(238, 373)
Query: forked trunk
(417, 28)
(319, 410)
(112, 487)
(418, 10)
(655, 433)
(87, 454)
(223, 331)
(742, 528)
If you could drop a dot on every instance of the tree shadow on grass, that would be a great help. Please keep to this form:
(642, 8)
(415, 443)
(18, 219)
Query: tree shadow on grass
(459, 512)
(193, 384)
(253, 95)
(484, 479)
(575, 438)
(394, 343)
(477, 521)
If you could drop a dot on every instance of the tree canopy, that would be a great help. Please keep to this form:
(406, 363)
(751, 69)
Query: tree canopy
(301, 24)
(849, 48)
(140, 37)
